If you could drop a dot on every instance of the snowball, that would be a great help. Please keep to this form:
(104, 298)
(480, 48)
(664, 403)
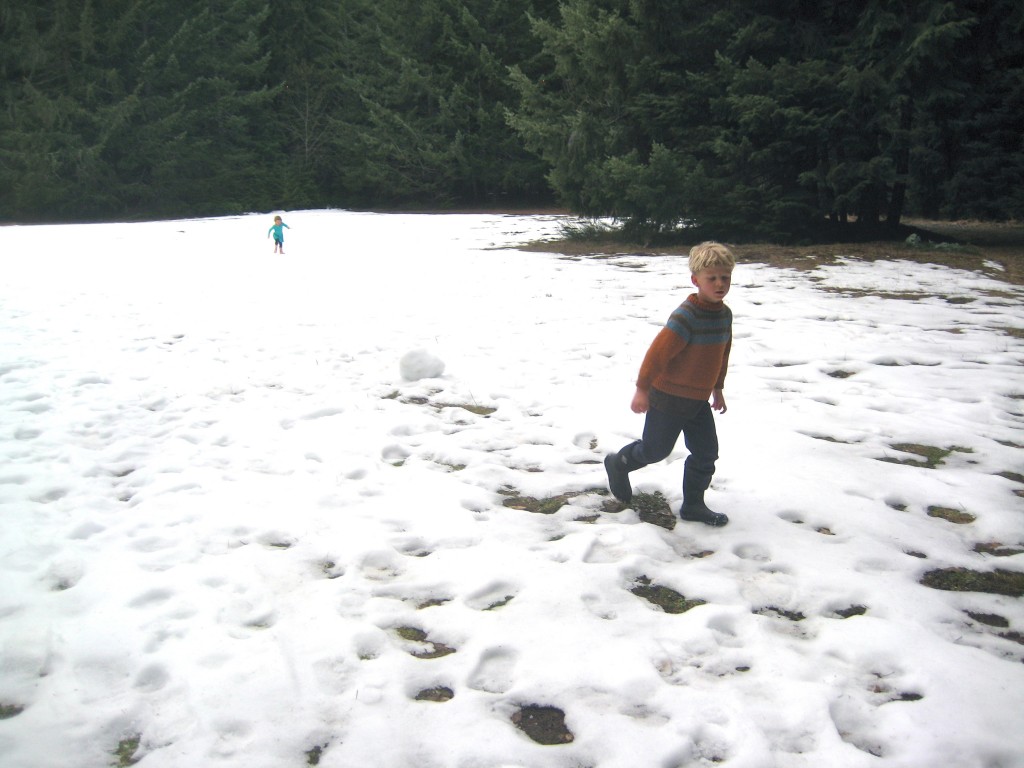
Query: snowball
(420, 364)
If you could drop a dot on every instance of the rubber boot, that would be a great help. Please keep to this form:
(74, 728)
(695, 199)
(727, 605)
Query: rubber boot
(694, 509)
(618, 466)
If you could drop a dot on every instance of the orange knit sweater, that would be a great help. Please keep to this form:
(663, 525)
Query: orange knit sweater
(689, 356)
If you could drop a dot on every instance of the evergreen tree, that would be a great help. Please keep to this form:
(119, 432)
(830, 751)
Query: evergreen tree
(765, 118)
(132, 107)
(426, 88)
(762, 119)
(970, 161)
(193, 144)
(62, 100)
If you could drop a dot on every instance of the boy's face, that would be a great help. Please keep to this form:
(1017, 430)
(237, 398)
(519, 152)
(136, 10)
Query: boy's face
(712, 283)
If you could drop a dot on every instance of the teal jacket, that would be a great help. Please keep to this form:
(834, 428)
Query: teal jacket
(278, 230)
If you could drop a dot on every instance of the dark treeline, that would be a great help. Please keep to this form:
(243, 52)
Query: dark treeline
(761, 118)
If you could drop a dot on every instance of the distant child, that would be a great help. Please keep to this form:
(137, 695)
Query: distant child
(685, 365)
(278, 230)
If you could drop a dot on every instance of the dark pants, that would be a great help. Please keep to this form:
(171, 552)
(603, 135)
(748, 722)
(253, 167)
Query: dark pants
(695, 421)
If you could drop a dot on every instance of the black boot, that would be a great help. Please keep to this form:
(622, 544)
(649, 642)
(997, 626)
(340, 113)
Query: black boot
(694, 510)
(618, 466)
(697, 512)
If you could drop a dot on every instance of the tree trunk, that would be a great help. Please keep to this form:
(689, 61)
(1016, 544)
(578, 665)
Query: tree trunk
(902, 158)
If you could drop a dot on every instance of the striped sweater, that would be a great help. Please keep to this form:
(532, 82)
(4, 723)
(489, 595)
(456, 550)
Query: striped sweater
(689, 356)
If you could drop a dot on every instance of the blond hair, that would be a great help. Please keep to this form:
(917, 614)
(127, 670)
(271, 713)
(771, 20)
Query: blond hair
(710, 254)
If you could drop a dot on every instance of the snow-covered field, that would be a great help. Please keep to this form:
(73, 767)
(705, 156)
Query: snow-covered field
(234, 535)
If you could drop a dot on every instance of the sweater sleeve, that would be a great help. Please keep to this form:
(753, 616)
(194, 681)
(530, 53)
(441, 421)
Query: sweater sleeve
(720, 384)
(666, 345)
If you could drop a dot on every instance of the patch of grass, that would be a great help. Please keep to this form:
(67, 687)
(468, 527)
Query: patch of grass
(996, 549)
(547, 506)
(479, 410)
(7, 711)
(429, 649)
(545, 725)
(125, 752)
(330, 569)
(612, 506)
(501, 603)
(916, 242)
(452, 467)
(909, 696)
(432, 602)
(665, 598)
(782, 613)
(827, 438)
(998, 582)
(931, 456)
(990, 619)
(653, 508)
(1016, 477)
(313, 755)
(476, 408)
(982, 244)
(589, 231)
(952, 515)
(853, 610)
(440, 694)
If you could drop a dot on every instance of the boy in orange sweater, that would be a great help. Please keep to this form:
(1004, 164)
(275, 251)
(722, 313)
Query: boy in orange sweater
(684, 367)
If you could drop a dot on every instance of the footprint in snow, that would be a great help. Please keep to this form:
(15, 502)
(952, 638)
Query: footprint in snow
(607, 546)
(599, 606)
(754, 552)
(493, 672)
(380, 566)
(152, 678)
(495, 595)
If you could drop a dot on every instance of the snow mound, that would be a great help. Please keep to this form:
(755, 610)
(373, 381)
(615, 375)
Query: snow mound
(420, 364)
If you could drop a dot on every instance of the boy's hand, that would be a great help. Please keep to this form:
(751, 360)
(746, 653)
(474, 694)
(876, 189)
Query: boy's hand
(641, 401)
(718, 401)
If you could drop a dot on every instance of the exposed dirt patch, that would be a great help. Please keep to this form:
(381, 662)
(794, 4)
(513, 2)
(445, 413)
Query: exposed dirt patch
(665, 598)
(853, 610)
(440, 694)
(931, 456)
(125, 752)
(995, 248)
(545, 725)
(989, 619)
(774, 611)
(996, 549)
(546, 506)
(653, 508)
(956, 516)
(998, 582)
(421, 646)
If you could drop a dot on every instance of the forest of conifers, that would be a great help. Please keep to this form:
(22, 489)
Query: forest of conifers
(765, 118)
